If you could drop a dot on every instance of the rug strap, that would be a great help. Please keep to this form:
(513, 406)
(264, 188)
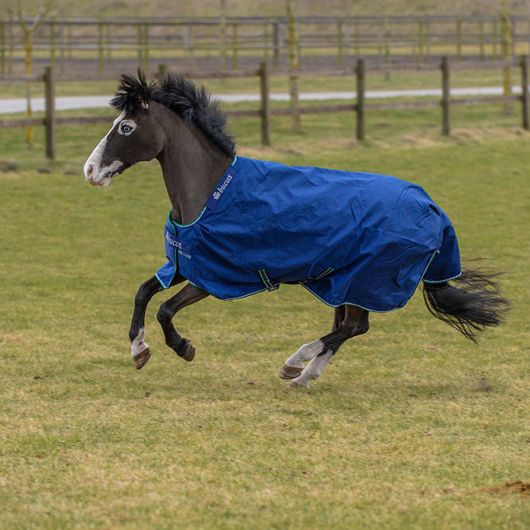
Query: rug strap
(266, 280)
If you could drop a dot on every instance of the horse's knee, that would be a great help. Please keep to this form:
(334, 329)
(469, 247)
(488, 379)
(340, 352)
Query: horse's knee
(164, 314)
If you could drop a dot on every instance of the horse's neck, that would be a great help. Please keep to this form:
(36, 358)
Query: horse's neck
(191, 166)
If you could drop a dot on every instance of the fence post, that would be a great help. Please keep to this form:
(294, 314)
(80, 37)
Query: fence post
(507, 58)
(528, 32)
(2, 47)
(446, 94)
(49, 91)
(11, 38)
(222, 31)
(276, 37)
(427, 37)
(69, 38)
(265, 106)
(266, 40)
(145, 46)
(481, 28)
(139, 44)
(359, 107)
(53, 43)
(61, 48)
(162, 70)
(495, 37)
(108, 43)
(524, 91)
(459, 37)
(189, 45)
(101, 57)
(387, 50)
(421, 40)
(294, 67)
(347, 38)
(340, 43)
(357, 43)
(235, 45)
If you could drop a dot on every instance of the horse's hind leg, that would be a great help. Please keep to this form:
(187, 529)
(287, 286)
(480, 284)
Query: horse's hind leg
(295, 364)
(340, 313)
(355, 322)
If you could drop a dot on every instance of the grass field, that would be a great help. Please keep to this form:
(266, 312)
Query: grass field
(410, 427)
(277, 7)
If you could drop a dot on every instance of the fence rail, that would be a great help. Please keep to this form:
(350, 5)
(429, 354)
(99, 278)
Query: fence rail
(359, 107)
(225, 42)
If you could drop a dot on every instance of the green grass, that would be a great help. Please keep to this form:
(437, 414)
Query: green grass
(200, 8)
(410, 427)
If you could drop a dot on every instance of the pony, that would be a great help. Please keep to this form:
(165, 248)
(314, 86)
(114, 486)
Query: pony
(360, 242)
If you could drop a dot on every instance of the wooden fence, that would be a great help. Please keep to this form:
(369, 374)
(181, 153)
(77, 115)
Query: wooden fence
(228, 40)
(359, 107)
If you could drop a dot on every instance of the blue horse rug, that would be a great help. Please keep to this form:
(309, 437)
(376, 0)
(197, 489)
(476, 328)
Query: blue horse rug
(349, 238)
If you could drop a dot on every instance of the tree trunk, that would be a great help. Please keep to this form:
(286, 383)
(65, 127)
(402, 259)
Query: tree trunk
(294, 64)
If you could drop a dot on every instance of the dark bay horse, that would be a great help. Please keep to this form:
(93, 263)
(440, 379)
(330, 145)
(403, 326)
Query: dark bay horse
(359, 242)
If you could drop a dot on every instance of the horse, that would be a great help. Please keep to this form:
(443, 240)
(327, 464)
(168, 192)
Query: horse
(359, 242)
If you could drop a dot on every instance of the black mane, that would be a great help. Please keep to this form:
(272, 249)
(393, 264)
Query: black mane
(193, 104)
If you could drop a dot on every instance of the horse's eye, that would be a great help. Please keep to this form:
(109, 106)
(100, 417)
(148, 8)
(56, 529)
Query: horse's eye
(126, 127)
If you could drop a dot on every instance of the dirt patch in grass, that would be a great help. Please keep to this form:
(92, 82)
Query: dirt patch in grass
(6, 166)
(516, 486)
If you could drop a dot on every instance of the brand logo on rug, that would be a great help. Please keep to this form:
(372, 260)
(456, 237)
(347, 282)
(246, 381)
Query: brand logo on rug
(183, 248)
(218, 193)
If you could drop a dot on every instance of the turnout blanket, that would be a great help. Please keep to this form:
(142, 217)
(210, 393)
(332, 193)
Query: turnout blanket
(350, 238)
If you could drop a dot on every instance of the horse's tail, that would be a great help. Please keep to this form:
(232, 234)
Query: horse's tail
(469, 304)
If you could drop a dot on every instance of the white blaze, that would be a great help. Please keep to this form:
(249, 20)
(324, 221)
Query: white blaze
(94, 173)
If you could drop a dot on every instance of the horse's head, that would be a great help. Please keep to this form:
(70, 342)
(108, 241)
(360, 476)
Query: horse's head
(134, 137)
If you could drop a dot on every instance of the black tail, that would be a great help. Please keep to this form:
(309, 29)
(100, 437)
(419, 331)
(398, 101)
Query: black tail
(469, 304)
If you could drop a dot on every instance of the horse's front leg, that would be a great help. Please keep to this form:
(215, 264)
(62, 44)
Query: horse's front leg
(187, 296)
(139, 349)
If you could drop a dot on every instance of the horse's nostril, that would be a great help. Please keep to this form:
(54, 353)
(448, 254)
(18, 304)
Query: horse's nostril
(90, 170)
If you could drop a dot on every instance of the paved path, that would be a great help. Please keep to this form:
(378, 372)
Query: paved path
(91, 102)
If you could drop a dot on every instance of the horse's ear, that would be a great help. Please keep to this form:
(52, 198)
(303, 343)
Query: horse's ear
(144, 94)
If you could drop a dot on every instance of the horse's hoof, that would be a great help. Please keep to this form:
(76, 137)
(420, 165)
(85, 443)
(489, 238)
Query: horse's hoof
(141, 359)
(297, 383)
(187, 350)
(290, 372)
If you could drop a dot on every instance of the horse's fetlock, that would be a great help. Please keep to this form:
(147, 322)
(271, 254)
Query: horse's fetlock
(363, 329)
(315, 373)
(356, 328)
(172, 341)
